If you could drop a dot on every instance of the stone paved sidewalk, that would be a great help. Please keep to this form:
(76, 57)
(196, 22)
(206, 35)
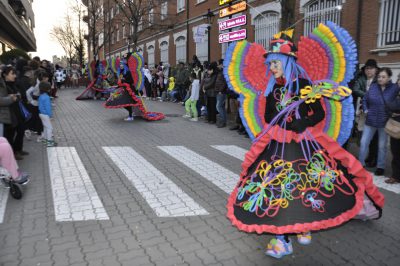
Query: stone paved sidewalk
(135, 234)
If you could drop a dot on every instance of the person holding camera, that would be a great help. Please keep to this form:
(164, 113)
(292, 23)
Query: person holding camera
(12, 130)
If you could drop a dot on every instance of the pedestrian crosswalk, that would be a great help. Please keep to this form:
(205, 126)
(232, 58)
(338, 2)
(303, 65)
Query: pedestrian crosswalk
(162, 195)
(75, 197)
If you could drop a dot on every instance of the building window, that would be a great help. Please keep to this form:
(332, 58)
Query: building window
(112, 38)
(180, 43)
(112, 13)
(180, 5)
(202, 49)
(117, 34)
(123, 32)
(150, 56)
(389, 23)
(266, 25)
(151, 16)
(164, 10)
(318, 11)
(164, 52)
(107, 18)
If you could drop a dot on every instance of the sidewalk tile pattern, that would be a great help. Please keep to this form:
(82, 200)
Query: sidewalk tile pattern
(163, 196)
(75, 198)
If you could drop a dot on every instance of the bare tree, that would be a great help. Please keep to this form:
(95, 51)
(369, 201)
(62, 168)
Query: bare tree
(65, 35)
(143, 17)
(78, 42)
(95, 21)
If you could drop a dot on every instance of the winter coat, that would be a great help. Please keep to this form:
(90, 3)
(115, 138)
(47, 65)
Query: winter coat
(5, 102)
(209, 85)
(220, 83)
(375, 101)
(45, 105)
(394, 108)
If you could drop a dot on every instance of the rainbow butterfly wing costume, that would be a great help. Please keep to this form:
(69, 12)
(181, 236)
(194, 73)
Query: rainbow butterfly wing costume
(132, 79)
(296, 177)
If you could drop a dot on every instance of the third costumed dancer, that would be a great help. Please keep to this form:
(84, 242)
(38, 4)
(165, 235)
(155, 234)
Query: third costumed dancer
(296, 178)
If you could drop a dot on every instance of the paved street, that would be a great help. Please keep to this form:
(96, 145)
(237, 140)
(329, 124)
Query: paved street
(154, 193)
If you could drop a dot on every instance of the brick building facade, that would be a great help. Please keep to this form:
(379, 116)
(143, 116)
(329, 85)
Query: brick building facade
(374, 25)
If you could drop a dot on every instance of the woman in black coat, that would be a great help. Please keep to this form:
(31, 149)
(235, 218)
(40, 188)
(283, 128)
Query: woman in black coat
(394, 107)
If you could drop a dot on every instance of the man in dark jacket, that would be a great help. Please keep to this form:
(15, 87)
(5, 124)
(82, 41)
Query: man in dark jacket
(221, 90)
(181, 80)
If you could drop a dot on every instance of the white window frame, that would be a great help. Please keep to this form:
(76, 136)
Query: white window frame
(389, 33)
(180, 43)
(150, 55)
(164, 47)
(180, 5)
(201, 47)
(112, 13)
(164, 10)
(151, 16)
(117, 29)
(317, 11)
(265, 26)
(123, 31)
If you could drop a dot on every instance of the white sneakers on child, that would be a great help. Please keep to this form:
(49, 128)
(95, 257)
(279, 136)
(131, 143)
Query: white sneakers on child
(129, 118)
(186, 116)
(194, 119)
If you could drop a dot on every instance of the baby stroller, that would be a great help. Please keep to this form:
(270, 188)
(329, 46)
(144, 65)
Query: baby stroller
(14, 186)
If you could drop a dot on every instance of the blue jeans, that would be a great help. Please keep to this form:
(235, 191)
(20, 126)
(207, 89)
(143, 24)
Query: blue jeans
(221, 98)
(368, 134)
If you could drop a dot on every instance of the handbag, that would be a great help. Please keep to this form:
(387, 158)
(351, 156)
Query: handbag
(392, 128)
(26, 115)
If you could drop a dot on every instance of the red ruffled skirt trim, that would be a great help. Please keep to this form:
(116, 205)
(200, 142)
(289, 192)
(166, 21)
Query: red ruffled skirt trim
(362, 179)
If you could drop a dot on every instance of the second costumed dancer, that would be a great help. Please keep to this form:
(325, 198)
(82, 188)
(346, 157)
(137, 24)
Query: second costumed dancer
(130, 81)
(296, 177)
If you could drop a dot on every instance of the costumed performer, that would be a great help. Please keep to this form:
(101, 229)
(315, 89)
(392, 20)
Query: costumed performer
(296, 178)
(130, 82)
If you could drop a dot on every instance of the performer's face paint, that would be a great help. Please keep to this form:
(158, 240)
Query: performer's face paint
(276, 68)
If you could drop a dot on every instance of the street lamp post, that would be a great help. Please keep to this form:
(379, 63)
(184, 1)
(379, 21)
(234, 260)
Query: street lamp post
(209, 16)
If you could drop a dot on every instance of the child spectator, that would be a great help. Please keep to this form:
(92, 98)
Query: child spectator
(171, 88)
(45, 112)
(190, 104)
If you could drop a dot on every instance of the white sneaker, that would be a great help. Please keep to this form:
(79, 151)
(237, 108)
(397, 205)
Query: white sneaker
(129, 118)
(186, 116)
(28, 134)
(194, 119)
(39, 139)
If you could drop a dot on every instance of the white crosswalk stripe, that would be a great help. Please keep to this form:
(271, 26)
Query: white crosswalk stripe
(239, 153)
(3, 202)
(74, 196)
(232, 150)
(213, 172)
(162, 195)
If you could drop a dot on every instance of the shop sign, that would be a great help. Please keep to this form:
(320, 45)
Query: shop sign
(233, 22)
(232, 36)
(230, 10)
(223, 2)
